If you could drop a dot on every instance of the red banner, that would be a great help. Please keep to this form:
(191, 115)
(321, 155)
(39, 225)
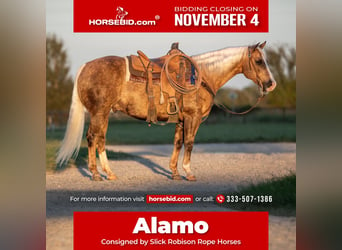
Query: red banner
(175, 230)
(171, 16)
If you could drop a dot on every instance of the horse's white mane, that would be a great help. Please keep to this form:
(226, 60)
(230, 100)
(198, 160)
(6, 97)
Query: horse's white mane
(219, 58)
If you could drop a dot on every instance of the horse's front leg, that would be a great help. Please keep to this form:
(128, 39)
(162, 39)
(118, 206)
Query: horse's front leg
(178, 143)
(191, 125)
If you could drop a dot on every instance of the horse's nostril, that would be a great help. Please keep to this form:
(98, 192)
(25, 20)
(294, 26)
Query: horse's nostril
(269, 84)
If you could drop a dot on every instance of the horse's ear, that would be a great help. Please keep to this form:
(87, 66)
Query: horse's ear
(255, 46)
(261, 46)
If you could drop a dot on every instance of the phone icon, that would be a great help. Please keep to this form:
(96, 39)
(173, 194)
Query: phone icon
(220, 198)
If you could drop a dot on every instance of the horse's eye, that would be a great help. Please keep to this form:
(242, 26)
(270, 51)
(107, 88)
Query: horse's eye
(259, 62)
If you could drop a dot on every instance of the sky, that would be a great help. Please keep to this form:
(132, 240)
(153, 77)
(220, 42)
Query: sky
(83, 47)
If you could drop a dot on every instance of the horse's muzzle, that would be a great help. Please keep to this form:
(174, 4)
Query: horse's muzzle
(269, 86)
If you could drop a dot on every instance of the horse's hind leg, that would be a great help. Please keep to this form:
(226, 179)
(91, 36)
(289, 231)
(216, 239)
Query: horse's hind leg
(96, 139)
(92, 141)
(178, 143)
(102, 153)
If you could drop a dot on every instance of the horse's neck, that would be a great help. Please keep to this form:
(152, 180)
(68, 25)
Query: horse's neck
(220, 66)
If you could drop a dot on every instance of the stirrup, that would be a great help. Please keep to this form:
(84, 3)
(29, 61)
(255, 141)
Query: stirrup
(175, 108)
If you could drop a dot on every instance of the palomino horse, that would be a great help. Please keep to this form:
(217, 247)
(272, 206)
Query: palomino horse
(103, 85)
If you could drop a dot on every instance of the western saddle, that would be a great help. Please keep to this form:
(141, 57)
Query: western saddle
(176, 73)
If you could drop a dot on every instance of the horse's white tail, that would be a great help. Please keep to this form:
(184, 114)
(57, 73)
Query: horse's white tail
(74, 131)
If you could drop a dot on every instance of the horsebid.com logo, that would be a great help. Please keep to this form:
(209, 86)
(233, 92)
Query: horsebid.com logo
(121, 13)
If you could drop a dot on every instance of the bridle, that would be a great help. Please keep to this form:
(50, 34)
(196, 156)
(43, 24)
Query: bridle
(259, 83)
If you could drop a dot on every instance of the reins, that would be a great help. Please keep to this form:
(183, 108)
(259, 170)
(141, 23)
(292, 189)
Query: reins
(224, 108)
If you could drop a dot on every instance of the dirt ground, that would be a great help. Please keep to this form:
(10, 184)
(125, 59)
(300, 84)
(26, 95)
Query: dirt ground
(219, 168)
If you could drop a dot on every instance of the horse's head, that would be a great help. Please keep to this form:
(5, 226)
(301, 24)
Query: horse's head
(256, 69)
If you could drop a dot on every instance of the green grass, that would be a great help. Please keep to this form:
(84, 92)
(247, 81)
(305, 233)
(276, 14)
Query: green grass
(141, 133)
(246, 132)
(282, 190)
(138, 132)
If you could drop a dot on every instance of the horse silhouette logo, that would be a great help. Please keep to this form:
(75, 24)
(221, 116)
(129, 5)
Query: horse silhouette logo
(121, 13)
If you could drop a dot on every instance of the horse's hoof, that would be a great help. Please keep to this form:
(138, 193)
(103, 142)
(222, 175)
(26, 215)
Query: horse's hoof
(111, 177)
(97, 177)
(191, 178)
(176, 177)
